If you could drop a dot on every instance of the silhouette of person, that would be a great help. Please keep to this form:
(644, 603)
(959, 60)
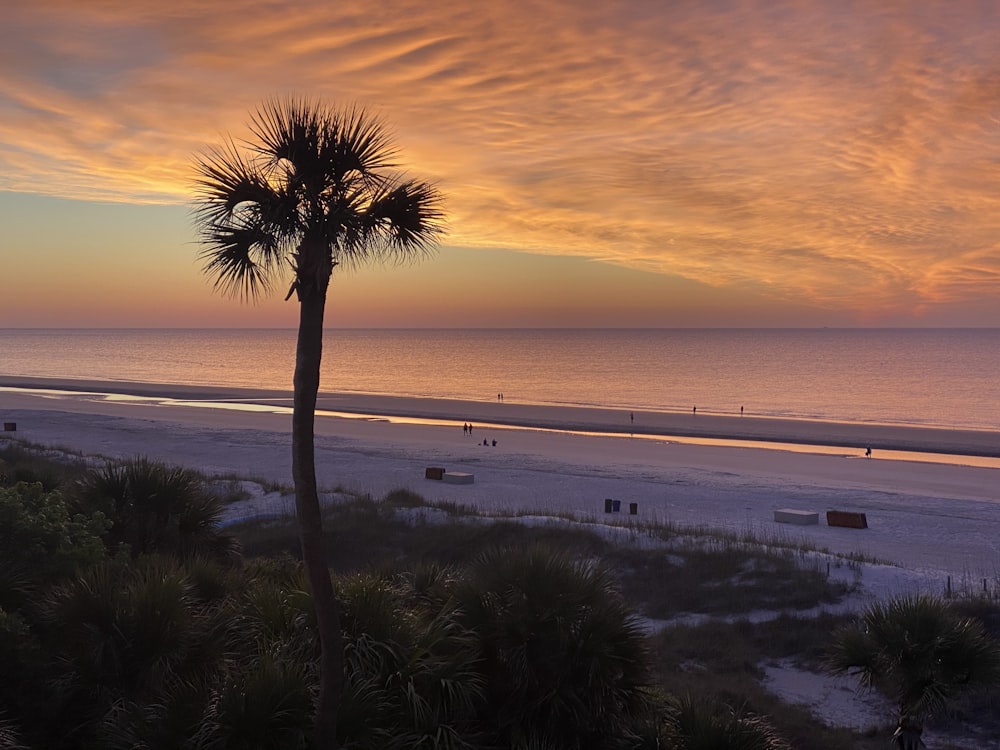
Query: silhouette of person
(484, 442)
(741, 411)
(694, 409)
(868, 452)
(631, 417)
(494, 442)
(465, 429)
(499, 397)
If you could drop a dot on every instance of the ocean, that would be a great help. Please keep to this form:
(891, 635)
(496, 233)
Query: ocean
(921, 377)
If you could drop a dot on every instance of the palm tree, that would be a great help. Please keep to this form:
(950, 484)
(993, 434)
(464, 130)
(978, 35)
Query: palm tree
(315, 189)
(919, 652)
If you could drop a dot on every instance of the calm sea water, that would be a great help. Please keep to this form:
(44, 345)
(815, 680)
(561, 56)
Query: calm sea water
(934, 377)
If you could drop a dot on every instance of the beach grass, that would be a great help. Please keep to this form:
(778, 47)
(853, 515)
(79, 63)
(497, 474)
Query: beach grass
(26, 462)
(664, 575)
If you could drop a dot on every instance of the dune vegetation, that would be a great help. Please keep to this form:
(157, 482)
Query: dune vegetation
(131, 617)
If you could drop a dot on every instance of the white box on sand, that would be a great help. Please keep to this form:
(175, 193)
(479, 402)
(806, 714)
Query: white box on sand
(458, 477)
(798, 517)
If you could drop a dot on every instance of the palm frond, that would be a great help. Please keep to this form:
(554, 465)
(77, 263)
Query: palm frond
(9, 737)
(364, 142)
(241, 263)
(266, 704)
(917, 651)
(242, 218)
(408, 214)
(225, 181)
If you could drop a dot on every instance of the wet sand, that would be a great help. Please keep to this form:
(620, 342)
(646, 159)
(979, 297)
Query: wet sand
(701, 425)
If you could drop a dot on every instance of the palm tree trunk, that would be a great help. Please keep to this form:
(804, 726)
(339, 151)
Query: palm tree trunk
(308, 355)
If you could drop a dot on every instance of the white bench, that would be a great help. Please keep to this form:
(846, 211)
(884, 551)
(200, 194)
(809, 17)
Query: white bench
(797, 517)
(458, 477)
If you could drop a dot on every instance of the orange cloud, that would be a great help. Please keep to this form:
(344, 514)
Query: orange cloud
(840, 156)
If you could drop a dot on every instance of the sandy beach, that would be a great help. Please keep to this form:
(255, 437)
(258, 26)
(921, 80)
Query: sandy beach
(929, 519)
(703, 424)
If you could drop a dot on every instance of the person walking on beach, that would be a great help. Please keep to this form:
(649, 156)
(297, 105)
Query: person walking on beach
(868, 452)
(741, 411)
(465, 428)
(694, 409)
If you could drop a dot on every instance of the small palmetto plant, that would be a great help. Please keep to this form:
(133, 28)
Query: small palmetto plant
(124, 636)
(692, 726)
(920, 653)
(263, 704)
(154, 507)
(563, 657)
(412, 677)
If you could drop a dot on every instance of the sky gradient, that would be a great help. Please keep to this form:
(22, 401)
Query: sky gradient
(635, 163)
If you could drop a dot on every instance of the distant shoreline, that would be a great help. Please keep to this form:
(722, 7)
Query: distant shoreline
(701, 425)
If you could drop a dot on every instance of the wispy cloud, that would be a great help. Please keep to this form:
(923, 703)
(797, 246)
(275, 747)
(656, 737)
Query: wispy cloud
(845, 155)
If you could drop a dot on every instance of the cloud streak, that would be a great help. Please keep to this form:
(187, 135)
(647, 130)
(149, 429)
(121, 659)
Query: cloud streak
(845, 156)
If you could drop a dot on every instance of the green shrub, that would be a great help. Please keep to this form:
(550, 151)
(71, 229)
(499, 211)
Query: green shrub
(42, 541)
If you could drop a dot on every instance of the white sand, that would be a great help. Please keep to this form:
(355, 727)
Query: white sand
(929, 520)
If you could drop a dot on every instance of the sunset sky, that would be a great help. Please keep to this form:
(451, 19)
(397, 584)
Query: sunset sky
(620, 163)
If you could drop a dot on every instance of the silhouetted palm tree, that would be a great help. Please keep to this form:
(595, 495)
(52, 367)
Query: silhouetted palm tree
(920, 653)
(315, 189)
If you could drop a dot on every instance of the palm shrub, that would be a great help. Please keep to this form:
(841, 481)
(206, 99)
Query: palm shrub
(411, 677)
(920, 653)
(275, 615)
(154, 507)
(263, 704)
(124, 636)
(692, 726)
(563, 657)
(171, 721)
(24, 688)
